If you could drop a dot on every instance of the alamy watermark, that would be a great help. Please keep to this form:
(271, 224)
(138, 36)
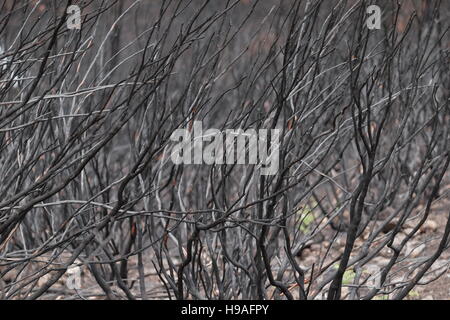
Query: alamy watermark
(74, 17)
(373, 21)
(73, 281)
(232, 146)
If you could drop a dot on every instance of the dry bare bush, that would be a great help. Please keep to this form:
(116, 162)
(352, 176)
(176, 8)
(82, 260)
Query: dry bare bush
(357, 210)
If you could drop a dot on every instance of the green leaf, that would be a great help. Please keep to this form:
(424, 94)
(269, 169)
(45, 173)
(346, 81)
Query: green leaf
(306, 218)
(348, 277)
(413, 294)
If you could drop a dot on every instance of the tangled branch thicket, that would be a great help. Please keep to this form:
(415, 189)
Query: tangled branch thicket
(359, 208)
